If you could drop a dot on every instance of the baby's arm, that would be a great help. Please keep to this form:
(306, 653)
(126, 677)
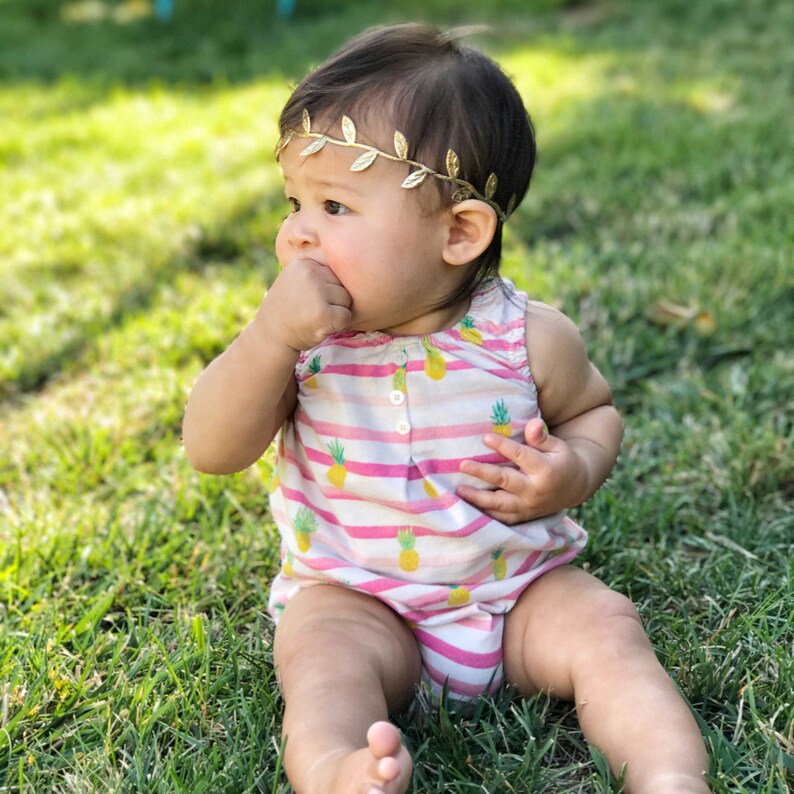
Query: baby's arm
(565, 466)
(244, 396)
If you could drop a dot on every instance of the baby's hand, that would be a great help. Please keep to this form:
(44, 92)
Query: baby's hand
(550, 476)
(305, 304)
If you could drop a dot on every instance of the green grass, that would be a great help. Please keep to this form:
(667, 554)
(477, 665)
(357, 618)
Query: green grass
(139, 207)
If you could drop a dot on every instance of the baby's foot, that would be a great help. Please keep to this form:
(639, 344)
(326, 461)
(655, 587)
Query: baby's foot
(382, 767)
(678, 783)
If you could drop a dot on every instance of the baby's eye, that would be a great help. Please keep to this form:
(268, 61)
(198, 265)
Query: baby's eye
(294, 204)
(335, 208)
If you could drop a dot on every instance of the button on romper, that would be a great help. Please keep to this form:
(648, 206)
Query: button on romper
(367, 471)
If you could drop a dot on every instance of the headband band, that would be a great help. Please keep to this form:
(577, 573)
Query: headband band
(465, 190)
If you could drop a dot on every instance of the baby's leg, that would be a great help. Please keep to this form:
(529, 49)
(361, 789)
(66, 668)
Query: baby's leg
(573, 637)
(344, 660)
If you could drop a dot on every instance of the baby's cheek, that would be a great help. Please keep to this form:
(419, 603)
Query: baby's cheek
(281, 249)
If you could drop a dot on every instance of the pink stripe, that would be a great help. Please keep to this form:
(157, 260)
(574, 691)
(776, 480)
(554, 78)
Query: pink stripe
(355, 340)
(353, 467)
(548, 565)
(418, 508)
(388, 370)
(322, 564)
(377, 586)
(380, 532)
(362, 370)
(529, 563)
(400, 470)
(494, 342)
(501, 329)
(355, 433)
(478, 624)
(458, 687)
(479, 661)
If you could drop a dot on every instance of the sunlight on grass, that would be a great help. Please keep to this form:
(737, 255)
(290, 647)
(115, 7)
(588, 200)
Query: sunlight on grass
(106, 196)
(133, 155)
(551, 80)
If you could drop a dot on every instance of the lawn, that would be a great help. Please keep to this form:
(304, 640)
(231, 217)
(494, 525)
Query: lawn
(139, 203)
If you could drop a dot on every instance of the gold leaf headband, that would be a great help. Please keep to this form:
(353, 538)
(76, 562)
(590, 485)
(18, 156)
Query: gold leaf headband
(464, 190)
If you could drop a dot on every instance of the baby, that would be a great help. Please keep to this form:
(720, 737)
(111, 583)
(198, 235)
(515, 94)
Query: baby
(433, 427)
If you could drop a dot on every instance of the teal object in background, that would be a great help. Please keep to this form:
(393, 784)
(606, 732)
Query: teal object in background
(164, 9)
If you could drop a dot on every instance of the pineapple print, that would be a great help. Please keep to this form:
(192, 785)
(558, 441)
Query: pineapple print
(315, 365)
(304, 524)
(499, 564)
(500, 419)
(469, 332)
(409, 557)
(430, 489)
(458, 596)
(336, 474)
(288, 569)
(435, 366)
(398, 379)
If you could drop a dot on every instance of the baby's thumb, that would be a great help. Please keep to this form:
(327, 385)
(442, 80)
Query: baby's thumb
(536, 434)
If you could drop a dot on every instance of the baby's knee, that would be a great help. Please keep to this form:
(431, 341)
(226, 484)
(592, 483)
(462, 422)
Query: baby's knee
(612, 625)
(330, 633)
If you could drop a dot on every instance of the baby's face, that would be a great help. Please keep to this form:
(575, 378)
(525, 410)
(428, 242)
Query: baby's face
(379, 239)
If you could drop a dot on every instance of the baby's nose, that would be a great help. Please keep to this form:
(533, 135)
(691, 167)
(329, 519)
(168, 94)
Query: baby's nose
(302, 233)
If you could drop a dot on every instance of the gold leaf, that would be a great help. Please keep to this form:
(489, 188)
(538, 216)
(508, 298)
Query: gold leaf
(365, 160)
(453, 164)
(284, 142)
(461, 194)
(400, 145)
(490, 186)
(415, 178)
(511, 205)
(348, 129)
(306, 121)
(314, 146)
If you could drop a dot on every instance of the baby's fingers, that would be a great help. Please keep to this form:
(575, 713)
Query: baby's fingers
(501, 505)
(525, 457)
(489, 473)
(337, 295)
(338, 318)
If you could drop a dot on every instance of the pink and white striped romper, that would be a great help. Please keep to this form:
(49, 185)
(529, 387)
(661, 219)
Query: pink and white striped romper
(366, 478)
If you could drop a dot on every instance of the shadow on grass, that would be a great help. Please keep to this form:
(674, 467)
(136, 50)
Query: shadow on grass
(235, 241)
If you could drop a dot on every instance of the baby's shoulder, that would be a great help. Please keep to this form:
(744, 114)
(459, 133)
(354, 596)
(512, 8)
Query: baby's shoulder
(543, 321)
(552, 338)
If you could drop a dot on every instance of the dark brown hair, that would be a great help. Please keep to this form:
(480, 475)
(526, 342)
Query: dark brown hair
(441, 94)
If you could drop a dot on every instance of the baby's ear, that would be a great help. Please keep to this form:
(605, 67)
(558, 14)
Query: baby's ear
(472, 224)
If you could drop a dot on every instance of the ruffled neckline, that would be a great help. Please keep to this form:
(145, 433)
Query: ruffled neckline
(474, 312)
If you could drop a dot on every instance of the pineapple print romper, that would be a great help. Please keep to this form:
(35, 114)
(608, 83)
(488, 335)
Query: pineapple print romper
(366, 476)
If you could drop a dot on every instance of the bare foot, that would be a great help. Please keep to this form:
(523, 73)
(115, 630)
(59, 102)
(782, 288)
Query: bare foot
(383, 767)
(678, 783)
